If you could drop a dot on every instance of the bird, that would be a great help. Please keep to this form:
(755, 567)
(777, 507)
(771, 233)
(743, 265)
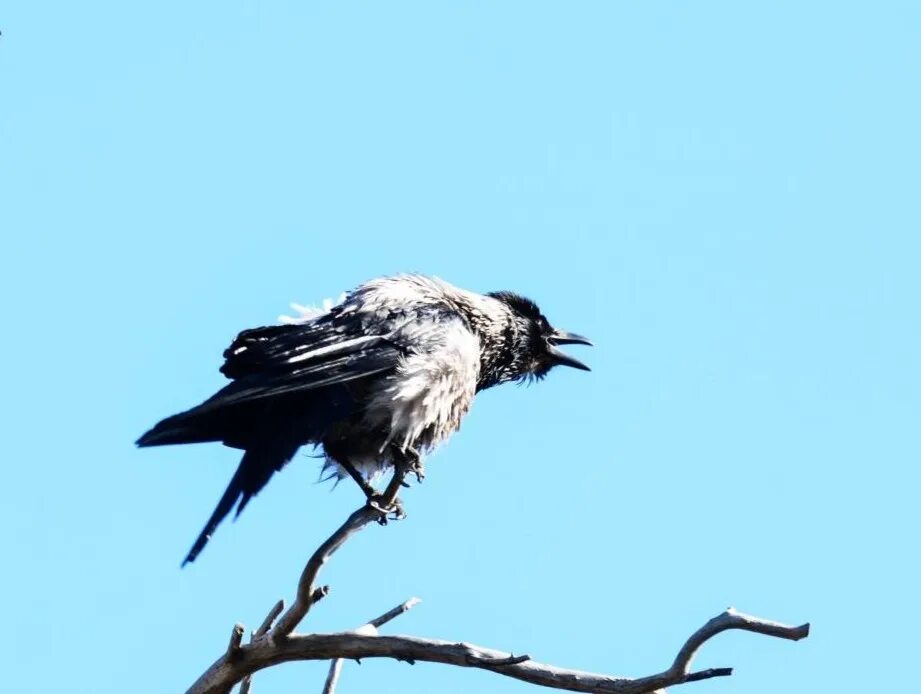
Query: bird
(375, 382)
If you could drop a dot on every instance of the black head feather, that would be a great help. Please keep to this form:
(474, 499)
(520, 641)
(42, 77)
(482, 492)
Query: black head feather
(529, 348)
(521, 305)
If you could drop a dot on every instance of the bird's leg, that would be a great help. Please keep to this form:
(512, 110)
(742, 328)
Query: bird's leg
(415, 464)
(387, 503)
(358, 477)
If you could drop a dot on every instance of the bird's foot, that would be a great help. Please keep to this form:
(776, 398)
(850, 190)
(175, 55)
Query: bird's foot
(386, 513)
(413, 462)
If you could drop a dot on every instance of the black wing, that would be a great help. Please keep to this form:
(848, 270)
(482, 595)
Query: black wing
(299, 359)
(279, 363)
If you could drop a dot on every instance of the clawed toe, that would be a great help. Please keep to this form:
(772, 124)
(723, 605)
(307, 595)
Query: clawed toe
(414, 464)
(394, 511)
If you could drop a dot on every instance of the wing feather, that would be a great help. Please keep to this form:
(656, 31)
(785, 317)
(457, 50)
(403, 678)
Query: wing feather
(290, 359)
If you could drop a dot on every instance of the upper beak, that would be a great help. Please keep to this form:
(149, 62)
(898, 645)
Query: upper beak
(561, 337)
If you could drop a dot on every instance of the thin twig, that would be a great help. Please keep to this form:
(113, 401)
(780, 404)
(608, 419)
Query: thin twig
(302, 602)
(318, 594)
(263, 629)
(357, 521)
(332, 678)
(269, 619)
(335, 667)
(394, 613)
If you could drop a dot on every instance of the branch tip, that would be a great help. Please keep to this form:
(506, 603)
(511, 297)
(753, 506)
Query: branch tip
(318, 594)
(708, 674)
(487, 661)
(236, 638)
(395, 612)
(731, 619)
(269, 619)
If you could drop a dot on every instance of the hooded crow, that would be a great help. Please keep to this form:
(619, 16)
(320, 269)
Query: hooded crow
(376, 381)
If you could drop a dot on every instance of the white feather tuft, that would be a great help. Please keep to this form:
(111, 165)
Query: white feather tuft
(308, 313)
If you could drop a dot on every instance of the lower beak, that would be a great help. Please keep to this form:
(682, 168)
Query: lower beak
(561, 358)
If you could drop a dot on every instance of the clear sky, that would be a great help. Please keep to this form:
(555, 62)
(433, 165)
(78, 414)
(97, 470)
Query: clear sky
(723, 195)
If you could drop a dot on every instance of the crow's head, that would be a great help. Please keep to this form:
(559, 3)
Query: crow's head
(533, 345)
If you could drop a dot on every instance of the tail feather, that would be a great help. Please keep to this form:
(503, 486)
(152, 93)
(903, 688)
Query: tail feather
(255, 469)
(269, 432)
(231, 494)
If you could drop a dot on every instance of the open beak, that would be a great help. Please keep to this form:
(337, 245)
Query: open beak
(561, 337)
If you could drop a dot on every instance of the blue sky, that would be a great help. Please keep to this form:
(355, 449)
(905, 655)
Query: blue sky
(724, 196)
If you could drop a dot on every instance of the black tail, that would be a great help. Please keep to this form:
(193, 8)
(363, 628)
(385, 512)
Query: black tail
(254, 471)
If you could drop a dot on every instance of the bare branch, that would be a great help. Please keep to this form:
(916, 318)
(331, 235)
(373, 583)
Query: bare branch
(318, 594)
(510, 660)
(236, 638)
(703, 674)
(357, 521)
(332, 679)
(353, 646)
(378, 622)
(307, 596)
(270, 646)
(263, 629)
(298, 610)
(730, 619)
(335, 667)
(269, 620)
